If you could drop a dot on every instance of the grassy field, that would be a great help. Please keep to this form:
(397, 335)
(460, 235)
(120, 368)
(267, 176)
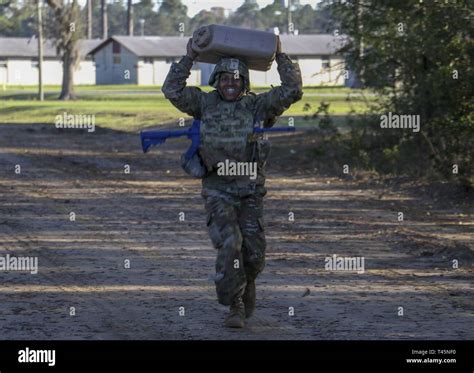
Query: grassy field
(130, 108)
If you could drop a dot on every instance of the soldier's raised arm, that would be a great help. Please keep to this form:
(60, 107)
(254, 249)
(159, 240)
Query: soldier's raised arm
(273, 103)
(186, 99)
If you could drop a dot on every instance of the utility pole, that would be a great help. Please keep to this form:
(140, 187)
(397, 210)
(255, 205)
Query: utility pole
(290, 23)
(142, 23)
(89, 19)
(40, 51)
(129, 18)
(103, 11)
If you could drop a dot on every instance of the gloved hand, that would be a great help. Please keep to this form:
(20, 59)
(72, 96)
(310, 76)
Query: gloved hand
(194, 166)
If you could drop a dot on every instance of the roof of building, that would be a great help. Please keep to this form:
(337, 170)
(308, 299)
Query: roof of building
(173, 46)
(28, 47)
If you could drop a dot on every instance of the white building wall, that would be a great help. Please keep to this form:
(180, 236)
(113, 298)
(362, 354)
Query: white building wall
(313, 73)
(145, 73)
(311, 70)
(194, 78)
(265, 78)
(21, 72)
(154, 73)
(206, 71)
(338, 70)
(85, 73)
(25, 72)
(3, 73)
(160, 69)
(53, 72)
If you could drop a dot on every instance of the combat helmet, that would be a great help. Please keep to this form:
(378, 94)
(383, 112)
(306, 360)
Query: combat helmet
(230, 65)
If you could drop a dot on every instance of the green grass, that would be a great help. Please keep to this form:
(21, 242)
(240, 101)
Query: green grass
(130, 108)
(84, 88)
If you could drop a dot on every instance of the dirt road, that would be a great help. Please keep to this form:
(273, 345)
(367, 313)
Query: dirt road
(133, 218)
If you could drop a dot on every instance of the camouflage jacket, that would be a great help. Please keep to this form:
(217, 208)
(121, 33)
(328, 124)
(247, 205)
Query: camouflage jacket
(213, 111)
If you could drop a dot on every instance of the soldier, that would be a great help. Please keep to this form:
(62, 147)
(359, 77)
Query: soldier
(234, 203)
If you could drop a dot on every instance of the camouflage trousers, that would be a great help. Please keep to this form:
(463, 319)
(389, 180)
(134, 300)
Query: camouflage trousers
(236, 229)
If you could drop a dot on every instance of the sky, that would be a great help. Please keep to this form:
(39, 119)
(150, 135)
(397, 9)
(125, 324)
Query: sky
(194, 6)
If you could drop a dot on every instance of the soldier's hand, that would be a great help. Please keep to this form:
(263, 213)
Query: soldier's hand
(189, 50)
(278, 45)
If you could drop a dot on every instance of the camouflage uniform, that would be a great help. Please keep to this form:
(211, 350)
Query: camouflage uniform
(234, 204)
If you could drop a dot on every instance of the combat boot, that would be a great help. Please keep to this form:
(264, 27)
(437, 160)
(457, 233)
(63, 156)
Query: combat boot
(249, 298)
(236, 318)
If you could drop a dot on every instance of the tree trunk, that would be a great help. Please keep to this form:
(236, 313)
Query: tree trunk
(129, 18)
(104, 22)
(67, 90)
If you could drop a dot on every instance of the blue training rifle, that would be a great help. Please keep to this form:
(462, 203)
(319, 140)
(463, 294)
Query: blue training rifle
(150, 138)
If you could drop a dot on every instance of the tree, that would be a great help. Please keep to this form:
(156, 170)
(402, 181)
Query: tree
(17, 18)
(204, 17)
(116, 18)
(247, 15)
(274, 15)
(172, 18)
(146, 16)
(65, 28)
(6, 10)
(418, 56)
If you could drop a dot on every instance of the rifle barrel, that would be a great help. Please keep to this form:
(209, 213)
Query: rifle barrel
(273, 129)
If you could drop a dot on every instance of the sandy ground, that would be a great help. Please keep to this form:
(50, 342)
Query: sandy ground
(134, 217)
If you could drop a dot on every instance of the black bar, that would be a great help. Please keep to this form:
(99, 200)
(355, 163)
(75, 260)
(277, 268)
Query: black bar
(117, 353)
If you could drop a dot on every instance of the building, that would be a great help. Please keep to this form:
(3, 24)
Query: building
(146, 60)
(19, 62)
(139, 60)
(318, 57)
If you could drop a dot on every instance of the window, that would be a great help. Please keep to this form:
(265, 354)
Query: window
(3, 63)
(325, 63)
(115, 47)
(116, 53)
(148, 60)
(34, 64)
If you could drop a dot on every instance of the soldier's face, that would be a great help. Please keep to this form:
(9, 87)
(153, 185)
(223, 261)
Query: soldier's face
(230, 86)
